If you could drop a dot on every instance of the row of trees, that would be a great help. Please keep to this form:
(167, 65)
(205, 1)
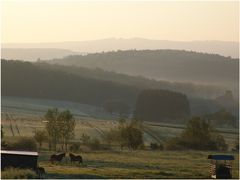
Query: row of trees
(166, 106)
(60, 126)
(222, 118)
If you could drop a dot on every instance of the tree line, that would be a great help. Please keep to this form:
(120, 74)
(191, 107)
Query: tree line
(59, 129)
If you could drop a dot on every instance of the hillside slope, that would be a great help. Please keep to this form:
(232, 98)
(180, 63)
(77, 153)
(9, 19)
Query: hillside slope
(169, 65)
(190, 89)
(44, 81)
(23, 79)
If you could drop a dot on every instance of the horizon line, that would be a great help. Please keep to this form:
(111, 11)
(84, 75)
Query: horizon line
(118, 38)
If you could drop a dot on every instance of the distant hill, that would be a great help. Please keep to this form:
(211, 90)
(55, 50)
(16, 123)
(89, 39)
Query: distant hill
(24, 79)
(190, 89)
(168, 65)
(34, 54)
(93, 86)
(212, 47)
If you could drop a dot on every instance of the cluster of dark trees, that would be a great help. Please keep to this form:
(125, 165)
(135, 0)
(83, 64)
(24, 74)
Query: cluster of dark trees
(222, 118)
(228, 102)
(198, 135)
(162, 106)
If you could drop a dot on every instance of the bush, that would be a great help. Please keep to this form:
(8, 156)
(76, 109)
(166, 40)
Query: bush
(132, 137)
(174, 144)
(198, 135)
(94, 144)
(74, 147)
(112, 136)
(219, 143)
(155, 146)
(23, 144)
(85, 139)
(15, 173)
(40, 137)
(127, 134)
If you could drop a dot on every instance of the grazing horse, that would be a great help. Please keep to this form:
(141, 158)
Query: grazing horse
(75, 158)
(57, 157)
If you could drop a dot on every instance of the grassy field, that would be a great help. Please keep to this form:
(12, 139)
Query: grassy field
(20, 126)
(123, 164)
(113, 163)
(27, 115)
(136, 164)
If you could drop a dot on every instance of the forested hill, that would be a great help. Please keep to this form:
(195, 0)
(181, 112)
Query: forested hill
(190, 89)
(24, 79)
(94, 87)
(170, 65)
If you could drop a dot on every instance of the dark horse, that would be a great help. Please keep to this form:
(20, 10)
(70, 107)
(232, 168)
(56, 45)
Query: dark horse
(75, 158)
(57, 157)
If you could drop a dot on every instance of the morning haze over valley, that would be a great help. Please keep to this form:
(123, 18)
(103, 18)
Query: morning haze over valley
(128, 89)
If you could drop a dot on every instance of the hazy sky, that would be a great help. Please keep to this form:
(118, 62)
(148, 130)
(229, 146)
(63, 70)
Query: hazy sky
(51, 21)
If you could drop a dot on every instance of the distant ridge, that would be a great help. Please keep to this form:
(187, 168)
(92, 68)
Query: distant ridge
(223, 48)
(34, 54)
(170, 65)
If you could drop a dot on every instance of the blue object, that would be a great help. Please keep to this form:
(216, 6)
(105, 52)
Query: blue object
(221, 157)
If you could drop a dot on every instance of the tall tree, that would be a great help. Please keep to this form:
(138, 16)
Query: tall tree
(67, 127)
(60, 127)
(40, 136)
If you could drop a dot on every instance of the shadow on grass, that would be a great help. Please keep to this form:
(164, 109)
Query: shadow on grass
(108, 164)
(72, 176)
(111, 164)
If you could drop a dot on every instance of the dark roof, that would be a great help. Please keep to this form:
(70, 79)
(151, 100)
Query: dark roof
(28, 153)
(221, 157)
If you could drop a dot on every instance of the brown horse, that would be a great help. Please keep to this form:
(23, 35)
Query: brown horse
(75, 158)
(57, 157)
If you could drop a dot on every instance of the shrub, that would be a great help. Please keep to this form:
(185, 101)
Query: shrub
(75, 147)
(155, 146)
(198, 135)
(237, 145)
(85, 139)
(132, 137)
(174, 144)
(15, 173)
(112, 136)
(127, 134)
(219, 143)
(94, 144)
(23, 144)
(40, 136)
